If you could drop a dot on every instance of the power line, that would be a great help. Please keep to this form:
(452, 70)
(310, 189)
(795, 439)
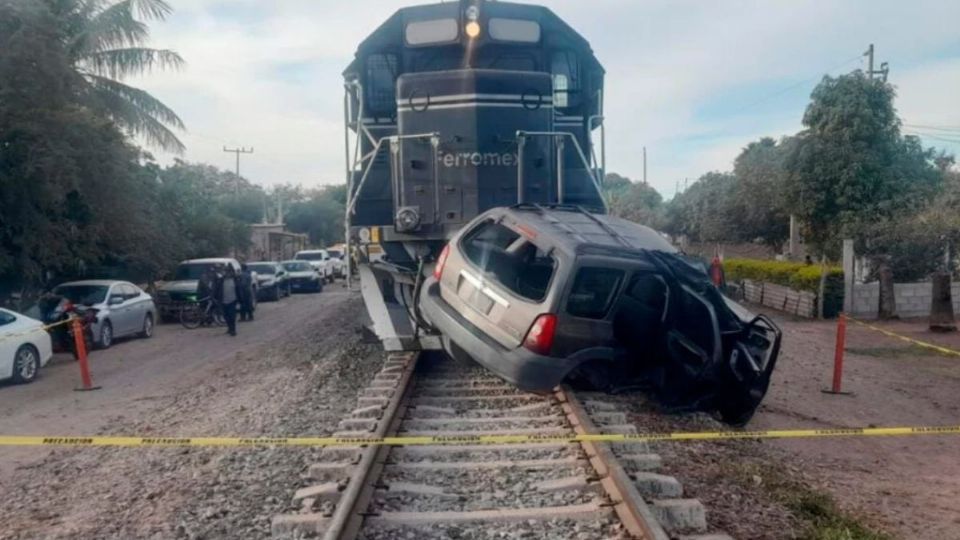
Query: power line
(934, 137)
(949, 129)
(238, 151)
(796, 84)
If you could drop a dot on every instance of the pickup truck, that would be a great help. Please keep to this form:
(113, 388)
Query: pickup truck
(173, 295)
(320, 259)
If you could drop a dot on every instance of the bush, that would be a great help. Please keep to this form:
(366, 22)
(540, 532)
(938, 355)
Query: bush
(799, 276)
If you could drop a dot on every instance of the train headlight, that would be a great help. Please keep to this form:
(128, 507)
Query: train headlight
(472, 29)
(408, 219)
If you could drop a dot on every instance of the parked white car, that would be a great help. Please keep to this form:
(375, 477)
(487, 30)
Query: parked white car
(24, 347)
(321, 261)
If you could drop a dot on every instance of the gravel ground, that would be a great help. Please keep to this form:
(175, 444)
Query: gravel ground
(300, 383)
(404, 455)
(735, 505)
(547, 530)
(483, 489)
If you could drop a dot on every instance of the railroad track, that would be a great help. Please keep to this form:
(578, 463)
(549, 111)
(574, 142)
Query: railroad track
(526, 490)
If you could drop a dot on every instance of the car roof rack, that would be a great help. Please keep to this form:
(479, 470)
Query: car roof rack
(542, 208)
(608, 229)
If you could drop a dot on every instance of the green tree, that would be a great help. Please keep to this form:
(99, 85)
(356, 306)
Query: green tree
(757, 209)
(321, 215)
(850, 168)
(104, 45)
(702, 212)
(635, 201)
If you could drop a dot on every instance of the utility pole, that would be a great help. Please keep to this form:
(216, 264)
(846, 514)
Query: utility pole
(644, 164)
(238, 151)
(884, 67)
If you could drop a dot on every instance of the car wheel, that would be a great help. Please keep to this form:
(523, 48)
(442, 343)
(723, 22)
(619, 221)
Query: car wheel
(275, 294)
(106, 335)
(26, 364)
(147, 331)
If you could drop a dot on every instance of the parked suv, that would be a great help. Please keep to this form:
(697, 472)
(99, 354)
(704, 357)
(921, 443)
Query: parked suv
(173, 295)
(539, 294)
(321, 261)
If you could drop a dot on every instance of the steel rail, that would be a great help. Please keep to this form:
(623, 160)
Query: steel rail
(347, 519)
(636, 516)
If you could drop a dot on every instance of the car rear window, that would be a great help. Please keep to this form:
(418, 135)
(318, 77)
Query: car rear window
(593, 292)
(263, 268)
(511, 260)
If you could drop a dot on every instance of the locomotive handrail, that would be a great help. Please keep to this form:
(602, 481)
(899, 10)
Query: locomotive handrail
(521, 141)
(392, 139)
(602, 162)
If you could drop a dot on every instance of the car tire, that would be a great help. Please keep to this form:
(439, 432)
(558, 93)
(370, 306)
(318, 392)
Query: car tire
(105, 339)
(26, 364)
(275, 294)
(148, 326)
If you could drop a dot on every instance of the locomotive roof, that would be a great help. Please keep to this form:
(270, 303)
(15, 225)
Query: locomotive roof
(575, 230)
(389, 35)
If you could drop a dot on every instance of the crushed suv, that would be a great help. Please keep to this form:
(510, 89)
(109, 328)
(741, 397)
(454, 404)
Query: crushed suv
(542, 294)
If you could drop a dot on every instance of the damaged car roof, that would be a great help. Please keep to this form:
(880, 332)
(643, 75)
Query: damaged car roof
(575, 230)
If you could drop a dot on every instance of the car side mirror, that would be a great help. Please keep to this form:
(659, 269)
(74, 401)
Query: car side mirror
(116, 299)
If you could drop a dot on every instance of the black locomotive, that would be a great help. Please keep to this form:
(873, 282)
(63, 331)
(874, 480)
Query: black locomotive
(452, 109)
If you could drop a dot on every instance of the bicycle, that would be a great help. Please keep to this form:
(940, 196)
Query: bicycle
(203, 312)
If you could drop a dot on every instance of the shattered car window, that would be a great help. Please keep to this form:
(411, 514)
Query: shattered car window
(510, 259)
(593, 292)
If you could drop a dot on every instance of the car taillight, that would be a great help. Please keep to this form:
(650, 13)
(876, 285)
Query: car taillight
(441, 261)
(540, 337)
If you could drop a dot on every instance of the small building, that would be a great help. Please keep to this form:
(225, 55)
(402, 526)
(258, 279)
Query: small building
(272, 242)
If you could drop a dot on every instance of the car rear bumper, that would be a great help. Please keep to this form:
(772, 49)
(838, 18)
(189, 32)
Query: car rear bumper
(527, 370)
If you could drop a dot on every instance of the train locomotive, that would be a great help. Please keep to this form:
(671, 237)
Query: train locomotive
(452, 109)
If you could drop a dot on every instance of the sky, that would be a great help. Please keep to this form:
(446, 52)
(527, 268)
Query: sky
(692, 81)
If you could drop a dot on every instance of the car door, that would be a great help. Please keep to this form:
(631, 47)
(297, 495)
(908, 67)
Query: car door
(123, 318)
(8, 345)
(138, 306)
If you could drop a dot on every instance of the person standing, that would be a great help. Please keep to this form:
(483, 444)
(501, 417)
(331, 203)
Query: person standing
(228, 293)
(246, 293)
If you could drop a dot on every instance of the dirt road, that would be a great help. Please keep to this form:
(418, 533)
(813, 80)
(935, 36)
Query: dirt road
(909, 485)
(293, 371)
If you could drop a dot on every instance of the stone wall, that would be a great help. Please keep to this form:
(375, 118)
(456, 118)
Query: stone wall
(913, 299)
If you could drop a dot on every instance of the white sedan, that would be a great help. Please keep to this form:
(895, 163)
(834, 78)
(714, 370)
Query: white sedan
(24, 347)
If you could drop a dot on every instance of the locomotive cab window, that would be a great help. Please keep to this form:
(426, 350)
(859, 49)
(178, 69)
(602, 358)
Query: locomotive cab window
(511, 260)
(381, 87)
(516, 30)
(565, 69)
(432, 32)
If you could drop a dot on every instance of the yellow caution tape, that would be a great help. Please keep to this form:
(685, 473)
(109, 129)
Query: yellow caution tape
(917, 342)
(47, 327)
(472, 439)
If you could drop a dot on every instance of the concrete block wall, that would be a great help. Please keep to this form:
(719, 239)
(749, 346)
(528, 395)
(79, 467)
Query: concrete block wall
(913, 299)
(800, 303)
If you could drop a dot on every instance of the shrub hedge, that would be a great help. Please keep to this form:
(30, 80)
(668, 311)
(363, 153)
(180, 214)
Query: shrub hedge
(799, 276)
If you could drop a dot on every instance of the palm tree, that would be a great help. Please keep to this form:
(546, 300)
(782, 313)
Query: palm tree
(104, 41)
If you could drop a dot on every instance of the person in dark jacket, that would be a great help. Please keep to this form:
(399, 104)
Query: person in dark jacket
(245, 283)
(227, 292)
(205, 284)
